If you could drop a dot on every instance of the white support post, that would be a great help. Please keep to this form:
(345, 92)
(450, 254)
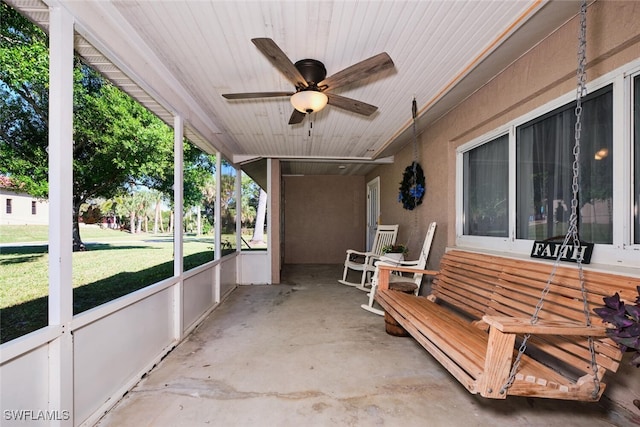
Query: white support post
(238, 209)
(178, 197)
(60, 207)
(217, 225)
(270, 218)
(217, 206)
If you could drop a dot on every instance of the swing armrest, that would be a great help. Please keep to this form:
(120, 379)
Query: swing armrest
(385, 269)
(521, 325)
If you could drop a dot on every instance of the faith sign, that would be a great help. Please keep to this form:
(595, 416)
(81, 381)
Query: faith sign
(551, 250)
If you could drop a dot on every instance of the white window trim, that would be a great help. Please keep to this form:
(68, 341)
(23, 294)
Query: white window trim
(621, 253)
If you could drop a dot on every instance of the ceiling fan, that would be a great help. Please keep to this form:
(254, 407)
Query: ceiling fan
(312, 86)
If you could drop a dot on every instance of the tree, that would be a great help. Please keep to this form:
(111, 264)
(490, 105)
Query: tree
(157, 198)
(258, 231)
(116, 141)
(24, 98)
(250, 192)
(199, 182)
(228, 202)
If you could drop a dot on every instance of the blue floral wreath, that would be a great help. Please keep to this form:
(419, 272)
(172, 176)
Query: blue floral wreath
(412, 187)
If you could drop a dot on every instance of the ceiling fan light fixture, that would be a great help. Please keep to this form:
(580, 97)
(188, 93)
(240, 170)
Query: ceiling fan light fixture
(309, 101)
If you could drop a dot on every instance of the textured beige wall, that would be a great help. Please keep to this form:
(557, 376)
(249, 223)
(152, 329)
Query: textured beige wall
(323, 217)
(545, 73)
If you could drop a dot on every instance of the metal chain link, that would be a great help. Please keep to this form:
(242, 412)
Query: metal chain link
(572, 232)
(573, 220)
(414, 114)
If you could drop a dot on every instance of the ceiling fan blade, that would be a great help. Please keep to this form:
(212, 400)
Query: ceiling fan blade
(296, 117)
(361, 70)
(250, 95)
(351, 104)
(281, 61)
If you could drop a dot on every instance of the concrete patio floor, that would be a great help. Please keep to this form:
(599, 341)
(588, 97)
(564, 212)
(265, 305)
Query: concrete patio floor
(304, 353)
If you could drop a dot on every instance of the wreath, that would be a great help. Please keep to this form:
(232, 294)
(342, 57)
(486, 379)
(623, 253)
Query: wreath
(412, 187)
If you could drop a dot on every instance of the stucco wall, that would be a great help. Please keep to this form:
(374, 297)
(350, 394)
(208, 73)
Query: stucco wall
(545, 73)
(323, 217)
(413, 224)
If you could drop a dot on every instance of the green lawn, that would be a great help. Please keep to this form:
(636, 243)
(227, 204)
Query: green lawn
(114, 264)
(40, 233)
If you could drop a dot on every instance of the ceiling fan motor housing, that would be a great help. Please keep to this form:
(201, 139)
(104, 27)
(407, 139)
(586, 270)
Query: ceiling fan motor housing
(312, 70)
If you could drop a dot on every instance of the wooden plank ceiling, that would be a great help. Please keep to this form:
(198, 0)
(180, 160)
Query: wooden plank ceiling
(181, 56)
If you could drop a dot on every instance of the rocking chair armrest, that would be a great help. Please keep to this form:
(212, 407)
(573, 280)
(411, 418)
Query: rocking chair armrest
(373, 257)
(521, 325)
(354, 252)
(399, 263)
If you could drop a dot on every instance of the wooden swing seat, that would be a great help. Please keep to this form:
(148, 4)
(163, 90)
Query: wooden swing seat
(480, 307)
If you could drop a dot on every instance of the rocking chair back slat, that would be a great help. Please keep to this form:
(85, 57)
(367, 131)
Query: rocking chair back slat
(384, 237)
(364, 262)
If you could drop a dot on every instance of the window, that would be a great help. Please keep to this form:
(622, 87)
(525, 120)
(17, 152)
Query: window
(544, 159)
(199, 207)
(8, 209)
(486, 183)
(33, 208)
(253, 214)
(137, 194)
(515, 184)
(228, 207)
(636, 161)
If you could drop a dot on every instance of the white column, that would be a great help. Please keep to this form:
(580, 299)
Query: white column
(217, 205)
(217, 229)
(60, 208)
(270, 218)
(238, 209)
(178, 197)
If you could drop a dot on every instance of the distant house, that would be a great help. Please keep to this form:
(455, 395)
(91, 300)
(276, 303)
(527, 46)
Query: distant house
(20, 208)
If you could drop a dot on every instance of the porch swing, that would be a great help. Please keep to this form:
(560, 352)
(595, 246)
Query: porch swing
(567, 357)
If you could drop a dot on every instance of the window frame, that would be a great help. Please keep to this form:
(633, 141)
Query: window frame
(630, 154)
(622, 252)
(9, 206)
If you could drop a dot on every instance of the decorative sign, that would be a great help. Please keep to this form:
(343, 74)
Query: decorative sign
(550, 250)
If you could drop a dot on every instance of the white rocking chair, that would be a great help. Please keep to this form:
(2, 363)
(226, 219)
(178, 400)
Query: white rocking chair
(418, 264)
(365, 261)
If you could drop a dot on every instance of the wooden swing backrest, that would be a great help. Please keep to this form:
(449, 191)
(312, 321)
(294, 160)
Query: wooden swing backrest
(519, 288)
(466, 282)
(481, 284)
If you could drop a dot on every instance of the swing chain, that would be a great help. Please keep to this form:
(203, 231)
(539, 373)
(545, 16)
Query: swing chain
(572, 232)
(416, 198)
(582, 92)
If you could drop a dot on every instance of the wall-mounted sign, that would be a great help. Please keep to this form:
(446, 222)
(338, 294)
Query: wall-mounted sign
(551, 250)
